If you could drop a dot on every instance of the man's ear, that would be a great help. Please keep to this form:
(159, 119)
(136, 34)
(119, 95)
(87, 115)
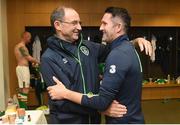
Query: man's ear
(119, 27)
(57, 25)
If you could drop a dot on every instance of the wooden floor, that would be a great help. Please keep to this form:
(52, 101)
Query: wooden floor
(162, 111)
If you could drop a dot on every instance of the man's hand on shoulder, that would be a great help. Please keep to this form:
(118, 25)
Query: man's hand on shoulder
(144, 45)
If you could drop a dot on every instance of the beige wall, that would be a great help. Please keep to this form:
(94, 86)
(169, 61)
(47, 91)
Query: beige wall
(4, 75)
(23, 13)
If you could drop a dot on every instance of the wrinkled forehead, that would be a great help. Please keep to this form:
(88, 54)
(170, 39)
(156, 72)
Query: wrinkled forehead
(71, 15)
(106, 17)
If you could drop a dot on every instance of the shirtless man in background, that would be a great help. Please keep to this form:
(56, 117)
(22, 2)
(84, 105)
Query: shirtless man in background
(23, 58)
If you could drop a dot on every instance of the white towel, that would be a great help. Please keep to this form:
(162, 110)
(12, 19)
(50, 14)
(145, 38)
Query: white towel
(153, 42)
(37, 48)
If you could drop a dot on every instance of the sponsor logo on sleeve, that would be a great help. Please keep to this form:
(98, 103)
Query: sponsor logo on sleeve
(64, 60)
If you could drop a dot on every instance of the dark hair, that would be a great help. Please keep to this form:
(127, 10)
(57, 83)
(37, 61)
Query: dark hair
(57, 14)
(122, 13)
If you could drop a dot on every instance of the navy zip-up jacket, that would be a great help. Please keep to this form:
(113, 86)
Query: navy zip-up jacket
(61, 59)
(122, 81)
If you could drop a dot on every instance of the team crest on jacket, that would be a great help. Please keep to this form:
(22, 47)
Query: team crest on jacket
(84, 50)
(112, 69)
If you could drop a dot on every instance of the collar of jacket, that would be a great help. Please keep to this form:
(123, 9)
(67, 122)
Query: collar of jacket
(119, 40)
(54, 43)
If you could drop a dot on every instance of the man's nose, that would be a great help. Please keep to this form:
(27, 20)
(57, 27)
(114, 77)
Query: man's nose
(79, 26)
(101, 28)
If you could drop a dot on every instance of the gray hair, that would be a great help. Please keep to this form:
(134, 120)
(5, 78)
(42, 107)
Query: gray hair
(57, 14)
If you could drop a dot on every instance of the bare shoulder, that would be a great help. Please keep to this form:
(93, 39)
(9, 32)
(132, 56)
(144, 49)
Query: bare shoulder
(16, 47)
(19, 45)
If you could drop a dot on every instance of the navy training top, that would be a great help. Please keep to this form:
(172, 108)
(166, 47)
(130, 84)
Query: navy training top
(122, 81)
(57, 61)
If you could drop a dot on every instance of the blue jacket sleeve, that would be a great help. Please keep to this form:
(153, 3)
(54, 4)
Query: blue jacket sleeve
(100, 50)
(117, 65)
(49, 68)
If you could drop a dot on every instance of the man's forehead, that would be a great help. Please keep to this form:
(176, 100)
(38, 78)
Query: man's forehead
(27, 34)
(106, 17)
(71, 14)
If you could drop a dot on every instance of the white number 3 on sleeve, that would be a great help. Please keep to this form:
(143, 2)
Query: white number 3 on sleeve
(112, 69)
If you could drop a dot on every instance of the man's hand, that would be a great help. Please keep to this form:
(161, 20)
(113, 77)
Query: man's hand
(36, 64)
(144, 45)
(58, 91)
(115, 110)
